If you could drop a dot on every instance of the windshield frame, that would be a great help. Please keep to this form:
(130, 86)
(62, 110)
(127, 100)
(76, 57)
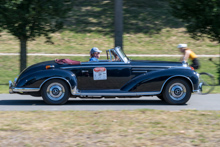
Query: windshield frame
(122, 55)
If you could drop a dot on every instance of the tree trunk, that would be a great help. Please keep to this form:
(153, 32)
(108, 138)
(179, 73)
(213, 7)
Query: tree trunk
(219, 65)
(119, 23)
(23, 54)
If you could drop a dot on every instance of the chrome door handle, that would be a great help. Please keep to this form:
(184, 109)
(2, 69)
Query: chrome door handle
(83, 71)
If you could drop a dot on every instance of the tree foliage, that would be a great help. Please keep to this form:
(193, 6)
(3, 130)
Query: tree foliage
(202, 17)
(28, 19)
(139, 16)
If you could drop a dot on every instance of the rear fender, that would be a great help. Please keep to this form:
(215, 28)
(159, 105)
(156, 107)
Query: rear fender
(39, 78)
(156, 80)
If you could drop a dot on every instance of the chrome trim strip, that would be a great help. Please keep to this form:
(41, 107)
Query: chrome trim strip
(141, 66)
(132, 66)
(100, 62)
(25, 89)
(118, 94)
(139, 71)
(149, 69)
(94, 66)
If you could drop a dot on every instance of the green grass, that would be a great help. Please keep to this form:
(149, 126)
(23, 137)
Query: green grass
(10, 66)
(110, 128)
(69, 42)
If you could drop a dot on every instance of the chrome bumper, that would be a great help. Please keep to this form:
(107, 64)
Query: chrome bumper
(13, 89)
(200, 87)
(11, 86)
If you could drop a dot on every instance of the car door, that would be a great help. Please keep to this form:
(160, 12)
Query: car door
(103, 75)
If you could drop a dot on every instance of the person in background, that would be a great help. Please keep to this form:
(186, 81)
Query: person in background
(189, 54)
(94, 54)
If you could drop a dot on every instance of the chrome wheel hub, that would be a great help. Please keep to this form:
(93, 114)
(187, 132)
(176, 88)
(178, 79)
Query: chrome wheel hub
(55, 91)
(177, 91)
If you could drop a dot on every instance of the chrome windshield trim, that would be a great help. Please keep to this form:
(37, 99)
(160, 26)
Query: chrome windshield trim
(121, 54)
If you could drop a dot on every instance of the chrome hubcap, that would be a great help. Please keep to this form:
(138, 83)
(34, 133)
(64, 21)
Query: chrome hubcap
(177, 91)
(55, 91)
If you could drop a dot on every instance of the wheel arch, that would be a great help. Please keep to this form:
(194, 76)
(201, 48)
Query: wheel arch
(185, 78)
(60, 78)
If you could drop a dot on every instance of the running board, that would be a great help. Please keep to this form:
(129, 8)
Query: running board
(115, 92)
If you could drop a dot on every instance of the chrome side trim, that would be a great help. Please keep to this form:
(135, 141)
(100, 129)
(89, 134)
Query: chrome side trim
(101, 65)
(25, 89)
(100, 62)
(126, 65)
(139, 71)
(147, 68)
(13, 89)
(118, 94)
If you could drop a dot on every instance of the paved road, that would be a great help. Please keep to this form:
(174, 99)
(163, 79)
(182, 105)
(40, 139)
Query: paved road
(16, 102)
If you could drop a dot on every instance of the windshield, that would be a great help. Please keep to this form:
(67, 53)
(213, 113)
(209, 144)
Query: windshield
(122, 54)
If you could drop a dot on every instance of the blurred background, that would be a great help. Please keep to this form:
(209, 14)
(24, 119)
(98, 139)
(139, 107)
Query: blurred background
(149, 28)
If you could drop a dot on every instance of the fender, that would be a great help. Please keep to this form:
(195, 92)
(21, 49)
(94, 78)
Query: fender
(38, 78)
(155, 80)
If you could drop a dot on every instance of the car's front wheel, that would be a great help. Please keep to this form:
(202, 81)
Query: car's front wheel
(55, 92)
(177, 92)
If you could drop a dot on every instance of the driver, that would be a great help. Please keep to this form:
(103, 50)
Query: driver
(95, 54)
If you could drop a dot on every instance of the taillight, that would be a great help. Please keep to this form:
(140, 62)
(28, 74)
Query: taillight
(49, 66)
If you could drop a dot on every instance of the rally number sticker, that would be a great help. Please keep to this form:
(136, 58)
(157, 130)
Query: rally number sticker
(100, 73)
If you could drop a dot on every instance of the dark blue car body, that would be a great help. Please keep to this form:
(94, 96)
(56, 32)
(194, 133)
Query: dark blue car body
(108, 78)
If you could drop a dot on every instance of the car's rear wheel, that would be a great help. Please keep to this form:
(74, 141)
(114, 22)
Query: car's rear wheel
(177, 92)
(55, 92)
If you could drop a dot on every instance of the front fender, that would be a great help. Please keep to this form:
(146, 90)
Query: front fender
(38, 78)
(154, 81)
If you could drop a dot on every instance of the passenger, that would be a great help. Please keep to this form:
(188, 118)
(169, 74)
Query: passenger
(116, 56)
(95, 54)
(189, 54)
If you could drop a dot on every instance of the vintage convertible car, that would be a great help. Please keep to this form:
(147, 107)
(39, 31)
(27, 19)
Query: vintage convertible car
(115, 77)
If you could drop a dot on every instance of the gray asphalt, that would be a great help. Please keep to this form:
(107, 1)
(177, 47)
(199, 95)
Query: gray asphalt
(15, 102)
